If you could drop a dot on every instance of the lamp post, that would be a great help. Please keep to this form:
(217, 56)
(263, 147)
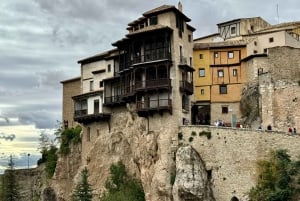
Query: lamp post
(28, 159)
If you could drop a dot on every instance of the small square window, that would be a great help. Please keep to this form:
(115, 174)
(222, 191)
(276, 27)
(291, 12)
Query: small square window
(202, 91)
(220, 73)
(254, 51)
(266, 50)
(200, 56)
(271, 40)
(224, 109)
(91, 85)
(230, 55)
(223, 89)
(234, 72)
(190, 38)
(153, 20)
(201, 72)
(216, 54)
(101, 84)
(233, 30)
(108, 68)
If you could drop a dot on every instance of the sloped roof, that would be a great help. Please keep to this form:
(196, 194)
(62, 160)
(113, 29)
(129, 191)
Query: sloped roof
(165, 8)
(232, 43)
(97, 57)
(281, 26)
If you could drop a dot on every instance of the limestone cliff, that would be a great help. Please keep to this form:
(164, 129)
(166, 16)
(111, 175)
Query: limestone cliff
(192, 183)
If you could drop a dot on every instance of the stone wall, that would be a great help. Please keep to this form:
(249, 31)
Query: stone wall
(230, 155)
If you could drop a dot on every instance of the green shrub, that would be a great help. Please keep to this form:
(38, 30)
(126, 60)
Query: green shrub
(206, 133)
(180, 136)
(191, 139)
(193, 133)
(51, 160)
(67, 136)
(278, 179)
(122, 187)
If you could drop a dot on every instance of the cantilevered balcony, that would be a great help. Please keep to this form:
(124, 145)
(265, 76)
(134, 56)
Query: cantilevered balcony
(152, 56)
(153, 84)
(145, 107)
(113, 100)
(81, 116)
(186, 87)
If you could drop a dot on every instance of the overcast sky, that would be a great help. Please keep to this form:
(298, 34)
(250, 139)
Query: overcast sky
(42, 40)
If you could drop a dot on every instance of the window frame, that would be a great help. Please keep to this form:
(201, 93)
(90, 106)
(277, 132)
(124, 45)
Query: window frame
(225, 109)
(221, 89)
(202, 91)
(230, 54)
(221, 73)
(201, 70)
(234, 72)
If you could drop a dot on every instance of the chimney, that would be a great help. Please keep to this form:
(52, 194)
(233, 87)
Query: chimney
(179, 6)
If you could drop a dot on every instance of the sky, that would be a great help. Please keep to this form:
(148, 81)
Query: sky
(42, 40)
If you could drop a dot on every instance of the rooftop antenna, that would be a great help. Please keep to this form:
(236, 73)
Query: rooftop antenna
(277, 14)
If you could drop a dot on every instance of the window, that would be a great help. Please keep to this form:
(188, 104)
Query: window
(271, 40)
(223, 89)
(266, 50)
(216, 54)
(91, 85)
(185, 102)
(101, 84)
(98, 132)
(200, 56)
(220, 73)
(255, 43)
(233, 30)
(153, 20)
(201, 72)
(230, 55)
(190, 38)
(224, 109)
(254, 51)
(202, 91)
(88, 134)
(108, 68)
(234, 72)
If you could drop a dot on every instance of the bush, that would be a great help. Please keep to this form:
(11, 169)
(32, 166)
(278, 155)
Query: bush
(193, 133)
(191, 139)
(206, 133)
(278, 179)
(121, 187)
(51, 160)
(172, 178)
(67, 136)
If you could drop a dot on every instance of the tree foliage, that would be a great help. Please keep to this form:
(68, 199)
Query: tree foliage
(122, 187)
(69, 135)
(83, 191)
(10, 188)
(278, 180)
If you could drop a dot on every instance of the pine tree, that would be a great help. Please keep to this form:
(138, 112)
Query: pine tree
(83, 191)
(10, 186)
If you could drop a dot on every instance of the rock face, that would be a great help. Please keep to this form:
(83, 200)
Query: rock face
(191, 182)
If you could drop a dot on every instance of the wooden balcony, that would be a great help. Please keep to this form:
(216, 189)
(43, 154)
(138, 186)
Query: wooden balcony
(148, 107)
(113, 100)
(151, 56)
(153, 84)
(186, 87)
(81, 116)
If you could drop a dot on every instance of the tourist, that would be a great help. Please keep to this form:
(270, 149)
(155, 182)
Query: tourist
(290, 130)
(295, 131)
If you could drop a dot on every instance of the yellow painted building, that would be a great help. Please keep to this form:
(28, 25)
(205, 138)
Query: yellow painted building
(218, 81)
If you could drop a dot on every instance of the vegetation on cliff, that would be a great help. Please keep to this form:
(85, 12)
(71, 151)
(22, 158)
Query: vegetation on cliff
(68, 136)
(10, 188)
(279, 179)
(122, 187)
(83, 191)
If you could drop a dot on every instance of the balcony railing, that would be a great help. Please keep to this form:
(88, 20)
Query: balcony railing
(187, 87)
(79, 113)
(148, 84)
(156, 104)
(149, 56)
(113, 100)
(81, 116)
